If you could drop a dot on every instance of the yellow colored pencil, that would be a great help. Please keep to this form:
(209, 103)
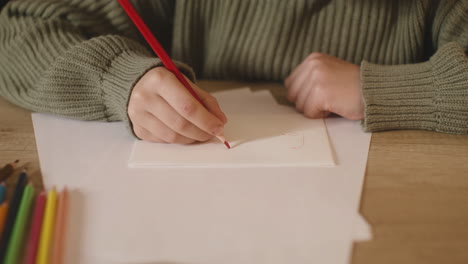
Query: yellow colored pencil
(47, 228)
(60, 228)
(3, 214)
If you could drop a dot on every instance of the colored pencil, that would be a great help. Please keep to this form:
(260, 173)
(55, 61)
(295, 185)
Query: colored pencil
(8, 170)
(3, 215)
(60, 228)
(35, 231)
(12, 212)
(45, 241)
(2, 192)
(162, 55)
(15, 244)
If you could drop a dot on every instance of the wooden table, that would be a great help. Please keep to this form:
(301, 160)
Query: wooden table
(415, 193)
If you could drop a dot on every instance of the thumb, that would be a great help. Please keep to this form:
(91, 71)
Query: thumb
(315, 112)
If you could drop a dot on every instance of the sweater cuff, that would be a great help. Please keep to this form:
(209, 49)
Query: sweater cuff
(416, 96)
(124, 71)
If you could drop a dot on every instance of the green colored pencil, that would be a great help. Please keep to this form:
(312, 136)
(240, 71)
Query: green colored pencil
(15, 244)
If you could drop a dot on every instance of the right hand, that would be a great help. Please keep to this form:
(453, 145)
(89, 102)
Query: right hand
(162, 110)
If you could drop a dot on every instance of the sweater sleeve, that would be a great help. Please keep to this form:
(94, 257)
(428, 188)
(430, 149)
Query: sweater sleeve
(431, 95)
(78, 59)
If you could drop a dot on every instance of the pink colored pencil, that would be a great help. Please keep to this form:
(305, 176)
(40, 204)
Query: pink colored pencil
(60, 228)
(35, 233)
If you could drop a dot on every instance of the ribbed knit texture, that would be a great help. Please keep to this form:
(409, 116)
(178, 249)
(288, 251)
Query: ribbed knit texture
(75, 58)
(430, 95)
(81, 58)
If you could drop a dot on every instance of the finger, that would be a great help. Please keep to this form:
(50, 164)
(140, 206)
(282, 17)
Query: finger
(209, 101)
(302, 73)
(212, 105)
(166, 114)
(314, 110)
(303, 88)
(326, 114)
(295, 84)
(302, 98)
(293, 75)
(159, 130)
(304, 64)
(177, 96)
(144, 134)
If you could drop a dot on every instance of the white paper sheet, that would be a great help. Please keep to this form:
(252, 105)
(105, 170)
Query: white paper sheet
(260, 132)
(203, 216)
(256, 141)
(362, 230)
(258, 102)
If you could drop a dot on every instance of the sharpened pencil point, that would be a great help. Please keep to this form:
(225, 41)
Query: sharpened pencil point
(227, 144)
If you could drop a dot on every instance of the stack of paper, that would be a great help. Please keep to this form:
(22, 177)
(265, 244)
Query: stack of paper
(175, 213)
(261, 134)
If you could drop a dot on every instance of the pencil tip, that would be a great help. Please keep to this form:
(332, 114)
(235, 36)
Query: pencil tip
(16, 161)
(227, 144)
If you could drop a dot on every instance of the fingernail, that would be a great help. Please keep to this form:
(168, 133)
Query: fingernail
(218, 130)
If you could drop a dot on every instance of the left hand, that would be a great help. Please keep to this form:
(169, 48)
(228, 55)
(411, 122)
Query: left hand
(324, 84)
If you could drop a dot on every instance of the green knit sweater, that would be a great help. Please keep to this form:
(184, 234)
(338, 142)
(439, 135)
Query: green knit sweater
(81, 58)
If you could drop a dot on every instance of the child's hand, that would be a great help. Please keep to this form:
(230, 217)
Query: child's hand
(322, 84)
(163, 110)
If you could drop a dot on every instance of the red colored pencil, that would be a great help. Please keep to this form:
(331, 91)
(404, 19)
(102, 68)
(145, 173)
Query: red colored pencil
(35, 232)
(3, 215)
(158, 49)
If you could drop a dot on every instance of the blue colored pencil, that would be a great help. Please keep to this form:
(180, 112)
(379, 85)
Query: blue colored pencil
(2, 192)
(12, 212)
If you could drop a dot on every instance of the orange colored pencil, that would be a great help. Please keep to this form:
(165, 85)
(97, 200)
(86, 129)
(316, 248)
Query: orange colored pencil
(3, 214)
(60, 228)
